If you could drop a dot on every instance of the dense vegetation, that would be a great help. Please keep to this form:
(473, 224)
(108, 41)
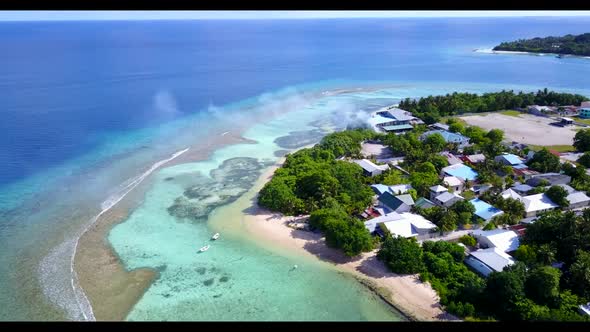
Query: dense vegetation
(568, 44)
(313, 181)
(544, 162)
(524, 291)
(430, 109)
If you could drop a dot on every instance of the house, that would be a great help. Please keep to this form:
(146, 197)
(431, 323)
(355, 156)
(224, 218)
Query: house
(505, 240)
(449, 137)
(484, 210)
(585, 104)
(584, 309)
(578, 200)
(403, 224)
(401, 228)
(509, 159)
(461, 171)
(474, 158)
(535, 204)
(439, 126)
(451, 159)
(369, 168)
(567, 188)
(566, 122)
(486, 261)
(522, 189)
(584, 112)
(541, 110)
(552, 178)
(437, 190)
(479, 189)
(526, 173)
(397, 189)
(509, 193)
(399, 203)
(397, 115)
(447, 199)
(454, 183)
(420, 224)
(424, 203)
(398, 129)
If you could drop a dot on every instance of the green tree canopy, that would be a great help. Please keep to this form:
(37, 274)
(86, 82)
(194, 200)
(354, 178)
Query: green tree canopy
(582, 140)
(403, 256)
(545, 162)
(558, 195)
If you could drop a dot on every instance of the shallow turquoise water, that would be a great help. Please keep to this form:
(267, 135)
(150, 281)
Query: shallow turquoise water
(260, 285)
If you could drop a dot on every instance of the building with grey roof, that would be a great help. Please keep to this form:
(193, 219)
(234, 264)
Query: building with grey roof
(447, 199)
(552, 178)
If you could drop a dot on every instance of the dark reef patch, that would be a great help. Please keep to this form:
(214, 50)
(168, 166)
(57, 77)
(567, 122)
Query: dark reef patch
(297, 139)
(209, 282)
(228, 182)
(224, 279)
(281, 153)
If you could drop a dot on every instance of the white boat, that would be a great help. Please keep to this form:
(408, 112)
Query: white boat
(215, 236)
(205, 248)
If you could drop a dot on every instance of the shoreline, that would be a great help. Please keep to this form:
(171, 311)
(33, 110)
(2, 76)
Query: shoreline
(110, 288)
(410, 297)
(491, 51)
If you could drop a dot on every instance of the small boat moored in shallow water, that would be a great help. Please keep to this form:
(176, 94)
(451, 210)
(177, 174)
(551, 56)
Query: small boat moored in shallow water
(205, 248)
(215, 236)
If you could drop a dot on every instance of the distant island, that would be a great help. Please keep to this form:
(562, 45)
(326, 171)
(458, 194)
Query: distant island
(566, 45)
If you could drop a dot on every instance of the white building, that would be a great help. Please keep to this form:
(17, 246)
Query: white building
(502, 239)
(578, 200)
(535, 204)
(404, 224)
(486, 261)
(371, 169)
(437, 190)
(455, 183)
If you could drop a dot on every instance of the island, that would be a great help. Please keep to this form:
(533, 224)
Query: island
(497, 228)
(566, 45)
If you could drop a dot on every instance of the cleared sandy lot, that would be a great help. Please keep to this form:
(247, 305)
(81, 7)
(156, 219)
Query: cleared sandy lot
(528, 129)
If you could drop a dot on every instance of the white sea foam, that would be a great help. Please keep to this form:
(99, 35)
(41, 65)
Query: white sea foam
(66, 292)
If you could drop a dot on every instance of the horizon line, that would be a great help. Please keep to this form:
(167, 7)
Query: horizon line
(33, 16)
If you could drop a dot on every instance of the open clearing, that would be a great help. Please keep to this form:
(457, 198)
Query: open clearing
(526, 128)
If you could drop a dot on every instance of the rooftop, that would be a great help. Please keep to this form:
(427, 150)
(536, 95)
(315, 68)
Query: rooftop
(397, 127)
(494, 258)
(522, 188)
(447, 196)
(452, 181)
(440, 126)
(401, 228)
(369, 166)
(476, 158)
(448, 136)
(504, 240)
(537, 202)
(461, 171)
(509, 193)
(400, 115)
(484, 210)
(438, 189)
(418, 221)
(511, 158)
(424, 203)
(577, 197)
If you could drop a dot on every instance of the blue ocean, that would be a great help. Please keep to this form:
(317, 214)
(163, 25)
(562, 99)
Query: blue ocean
(87, 107)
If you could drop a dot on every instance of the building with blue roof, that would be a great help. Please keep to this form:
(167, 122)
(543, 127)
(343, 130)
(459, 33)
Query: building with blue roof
(510, 160)
(449, 137)
(461, 171)
(484, 210)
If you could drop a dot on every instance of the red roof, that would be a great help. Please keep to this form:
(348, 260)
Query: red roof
(553, 152)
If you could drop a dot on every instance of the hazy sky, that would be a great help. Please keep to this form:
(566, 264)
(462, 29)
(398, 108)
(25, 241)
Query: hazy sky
(214, 14)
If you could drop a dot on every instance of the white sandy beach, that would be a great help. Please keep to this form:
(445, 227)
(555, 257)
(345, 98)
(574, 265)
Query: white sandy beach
(491, 51)
(415, 299)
